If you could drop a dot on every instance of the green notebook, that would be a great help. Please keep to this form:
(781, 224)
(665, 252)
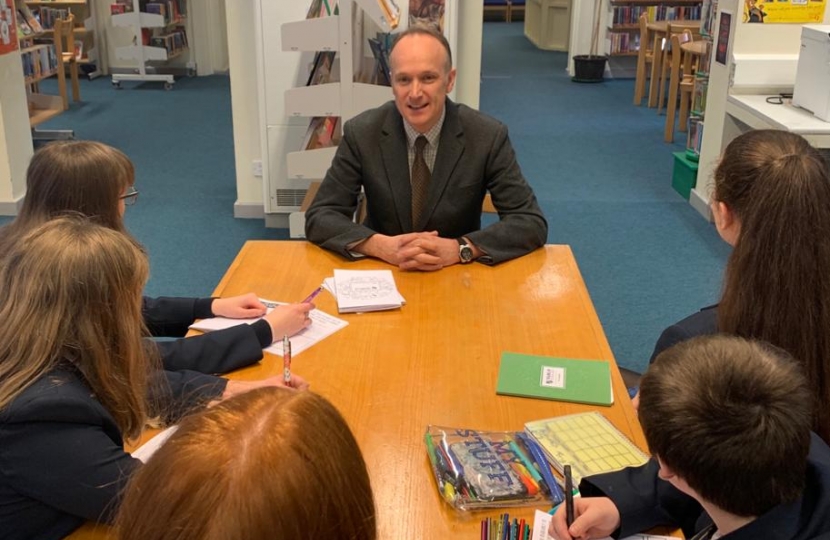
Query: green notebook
(563, 379)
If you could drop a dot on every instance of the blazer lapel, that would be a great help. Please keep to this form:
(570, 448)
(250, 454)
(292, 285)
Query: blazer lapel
(396, 161)
(450, 149)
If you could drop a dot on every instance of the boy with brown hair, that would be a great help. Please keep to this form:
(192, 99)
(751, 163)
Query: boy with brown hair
(728, 423)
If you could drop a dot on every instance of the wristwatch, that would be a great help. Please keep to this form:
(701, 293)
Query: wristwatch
(465, 252)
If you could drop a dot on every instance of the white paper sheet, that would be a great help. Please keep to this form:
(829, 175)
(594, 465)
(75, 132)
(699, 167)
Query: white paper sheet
(541, 523)
(149, 448)
(322, 326)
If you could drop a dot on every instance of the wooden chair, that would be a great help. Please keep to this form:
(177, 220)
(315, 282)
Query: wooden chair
(498, 5)
(65, 52)
(682, 81)
(665, 66)
(645, 59)
(516, 6)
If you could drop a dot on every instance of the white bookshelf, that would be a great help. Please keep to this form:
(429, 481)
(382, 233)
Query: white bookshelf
(141, 54)
(284, 60)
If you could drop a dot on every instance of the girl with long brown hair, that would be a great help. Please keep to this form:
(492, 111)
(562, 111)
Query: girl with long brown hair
(771, 202)
(75, 376)
(97, 181)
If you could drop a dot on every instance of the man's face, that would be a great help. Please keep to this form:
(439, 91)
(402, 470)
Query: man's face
(420, 80)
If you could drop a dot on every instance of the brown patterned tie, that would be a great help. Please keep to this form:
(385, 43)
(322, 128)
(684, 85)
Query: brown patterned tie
(420, 180)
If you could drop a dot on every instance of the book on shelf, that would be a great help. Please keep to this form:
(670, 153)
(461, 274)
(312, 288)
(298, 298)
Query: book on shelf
(561, 379)
(322, 68)
(23, 28)
(694, 135)
(322, 133)
(157, 8)
(701, 88)
(79, 49)
(708, 14)
(322, 8)
(121, 6)
(391, 11)
(33, 20)
(380, 51)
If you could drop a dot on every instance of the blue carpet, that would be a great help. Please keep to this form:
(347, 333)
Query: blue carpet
(181, 143)
(602, 173)
(598, 164)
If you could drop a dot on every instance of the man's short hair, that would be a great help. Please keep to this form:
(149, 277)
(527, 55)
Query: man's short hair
(732, 418)
(425, 30)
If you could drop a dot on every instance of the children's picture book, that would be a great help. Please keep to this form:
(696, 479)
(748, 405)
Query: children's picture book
(561, 379)
(588, 442)
(362, 291)
(481, 469)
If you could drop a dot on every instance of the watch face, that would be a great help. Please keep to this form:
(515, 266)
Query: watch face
(466, 254)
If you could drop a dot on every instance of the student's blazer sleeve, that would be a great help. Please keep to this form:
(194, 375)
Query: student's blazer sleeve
(69, 460)
(643, 499)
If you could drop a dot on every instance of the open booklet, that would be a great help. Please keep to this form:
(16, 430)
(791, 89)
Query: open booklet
(322, 326)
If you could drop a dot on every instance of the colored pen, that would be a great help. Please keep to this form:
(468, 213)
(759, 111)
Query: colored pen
(541, 461)
(525, 460)
(311, 296)
(569, 496)
(286, 360)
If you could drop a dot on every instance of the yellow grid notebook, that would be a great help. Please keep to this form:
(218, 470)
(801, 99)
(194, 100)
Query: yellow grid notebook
(588, 442)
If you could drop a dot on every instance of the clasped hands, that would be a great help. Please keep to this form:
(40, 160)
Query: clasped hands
(424, 251)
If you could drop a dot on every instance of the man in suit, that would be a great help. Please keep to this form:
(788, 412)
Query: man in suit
(425, 165)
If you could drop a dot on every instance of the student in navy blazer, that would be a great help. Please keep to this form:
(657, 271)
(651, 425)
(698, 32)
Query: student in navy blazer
(97, 180)
(770, 202)
(468, 154)
(728, 423)
(77, 377)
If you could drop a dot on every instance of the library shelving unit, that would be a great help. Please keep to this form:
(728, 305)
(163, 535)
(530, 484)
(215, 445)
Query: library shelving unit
(623, 36)
(284, 59)
(39, 62)
(152, 41)
(84, 31)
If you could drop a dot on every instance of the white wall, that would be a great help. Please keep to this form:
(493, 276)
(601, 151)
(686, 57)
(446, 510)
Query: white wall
(15, 138)
(246, 115)
(747, 38)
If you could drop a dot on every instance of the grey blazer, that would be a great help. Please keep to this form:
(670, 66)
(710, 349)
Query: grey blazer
(474, 156)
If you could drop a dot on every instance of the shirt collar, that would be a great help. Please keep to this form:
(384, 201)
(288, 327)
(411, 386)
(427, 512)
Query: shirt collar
(432, 135)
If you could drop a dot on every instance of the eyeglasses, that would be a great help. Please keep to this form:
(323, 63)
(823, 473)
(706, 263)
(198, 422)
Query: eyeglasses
(130, 197)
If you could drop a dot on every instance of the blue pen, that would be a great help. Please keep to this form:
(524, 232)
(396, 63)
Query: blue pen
(556, 493)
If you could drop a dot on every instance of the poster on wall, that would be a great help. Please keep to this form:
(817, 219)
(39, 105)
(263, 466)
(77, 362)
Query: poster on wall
(8, 32)
(724, 29)
(784, 11)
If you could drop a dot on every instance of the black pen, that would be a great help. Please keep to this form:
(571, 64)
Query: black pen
(569, 496)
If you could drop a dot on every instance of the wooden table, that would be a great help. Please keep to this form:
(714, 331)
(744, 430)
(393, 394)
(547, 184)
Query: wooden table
(435, 361)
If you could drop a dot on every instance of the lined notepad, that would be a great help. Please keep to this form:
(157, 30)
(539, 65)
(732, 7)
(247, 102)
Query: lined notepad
(587, 442)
